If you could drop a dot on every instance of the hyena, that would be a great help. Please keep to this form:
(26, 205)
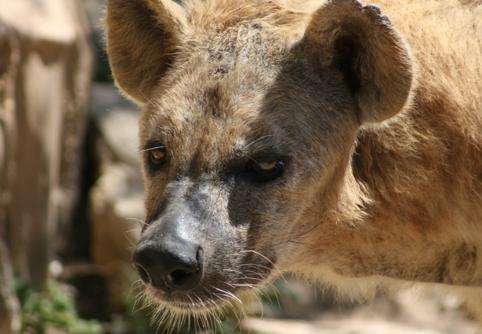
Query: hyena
(338, 140)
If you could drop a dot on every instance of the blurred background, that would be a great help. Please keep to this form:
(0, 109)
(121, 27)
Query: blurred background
(71, 200)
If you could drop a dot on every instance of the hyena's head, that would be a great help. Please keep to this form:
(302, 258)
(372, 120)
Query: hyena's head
(250, 114)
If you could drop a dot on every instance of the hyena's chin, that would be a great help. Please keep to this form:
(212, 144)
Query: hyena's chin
(193, 302)
(214, 301)
(196, 306)
(176, 313)
(190, 306)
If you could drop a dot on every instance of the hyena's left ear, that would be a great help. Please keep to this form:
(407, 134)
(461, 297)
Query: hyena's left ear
(360, 42)
(142, 36)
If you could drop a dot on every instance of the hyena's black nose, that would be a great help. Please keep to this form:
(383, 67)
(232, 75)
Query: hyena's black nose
(170, 266)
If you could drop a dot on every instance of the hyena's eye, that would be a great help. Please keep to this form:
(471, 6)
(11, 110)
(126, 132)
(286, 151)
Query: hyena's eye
(156, 156)
(264, 171)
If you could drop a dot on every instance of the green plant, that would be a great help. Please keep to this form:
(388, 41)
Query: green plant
(53, 307)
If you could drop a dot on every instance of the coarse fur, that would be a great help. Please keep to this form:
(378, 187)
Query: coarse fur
(377, 114)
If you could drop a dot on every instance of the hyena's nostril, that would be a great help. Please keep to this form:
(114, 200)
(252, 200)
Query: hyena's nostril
(181, 278)
(143, 274)
(187, 275)
(170, 266)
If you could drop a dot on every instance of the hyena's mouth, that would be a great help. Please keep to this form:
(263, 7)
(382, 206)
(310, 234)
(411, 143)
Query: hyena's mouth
(192, 309)
(192, 302)
(213, 294)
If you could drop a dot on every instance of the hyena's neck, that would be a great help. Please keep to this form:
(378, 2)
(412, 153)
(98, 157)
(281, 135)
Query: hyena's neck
(375, 231)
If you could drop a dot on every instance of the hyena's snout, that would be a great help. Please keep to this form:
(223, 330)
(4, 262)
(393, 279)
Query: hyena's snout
(169, 256)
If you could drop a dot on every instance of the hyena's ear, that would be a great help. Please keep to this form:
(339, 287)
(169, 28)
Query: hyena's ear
(142, 36)
(360, 42)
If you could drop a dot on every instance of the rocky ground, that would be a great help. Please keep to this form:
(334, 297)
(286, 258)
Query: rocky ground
(407, 313)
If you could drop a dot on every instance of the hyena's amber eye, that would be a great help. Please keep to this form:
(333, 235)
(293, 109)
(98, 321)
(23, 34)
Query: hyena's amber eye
(267, 166)
(156, 156)
(264, 171)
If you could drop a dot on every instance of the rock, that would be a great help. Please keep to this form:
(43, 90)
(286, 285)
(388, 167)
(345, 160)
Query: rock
(116, 211)
(117, 120)
(348, 325)
(45, 70)
(409, 311)
(117, 198)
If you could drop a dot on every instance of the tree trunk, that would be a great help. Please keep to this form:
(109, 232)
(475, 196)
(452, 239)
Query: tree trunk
(46, 74)
(45, 71)
(9, 319)
(9, 307)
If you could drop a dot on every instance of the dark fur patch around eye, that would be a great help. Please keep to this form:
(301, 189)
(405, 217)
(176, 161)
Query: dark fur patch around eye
(254, 172)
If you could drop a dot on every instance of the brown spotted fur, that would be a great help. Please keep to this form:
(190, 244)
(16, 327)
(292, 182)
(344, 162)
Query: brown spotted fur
(389, 193)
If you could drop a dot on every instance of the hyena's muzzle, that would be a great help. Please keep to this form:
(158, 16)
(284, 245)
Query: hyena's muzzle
(195, 253)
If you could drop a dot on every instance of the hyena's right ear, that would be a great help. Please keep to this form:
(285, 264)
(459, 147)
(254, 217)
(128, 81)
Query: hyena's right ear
(142, 36)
